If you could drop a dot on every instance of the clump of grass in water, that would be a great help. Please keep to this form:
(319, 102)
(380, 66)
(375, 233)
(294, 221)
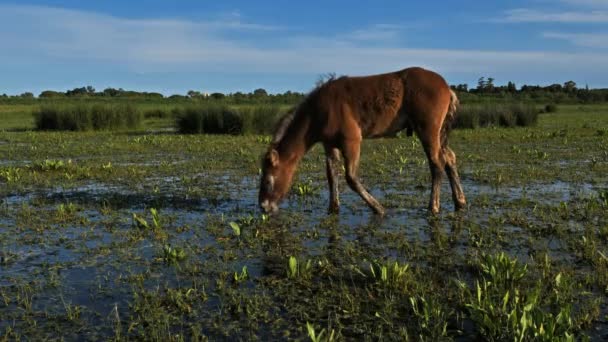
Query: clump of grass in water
(390, 274)
(260, 119)
(87, 117)
(502, 115)
(222, 119)
(296, 270)
(10, 174)
(51, 165)
(505, 307)
(173, 254)
(157, 113)
(306, 189)
(209, 119)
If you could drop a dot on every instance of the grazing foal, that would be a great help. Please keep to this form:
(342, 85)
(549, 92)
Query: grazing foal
(341, 112)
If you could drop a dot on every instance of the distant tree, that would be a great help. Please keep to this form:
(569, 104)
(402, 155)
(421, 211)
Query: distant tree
(153, 95)
(239, 97)
(90, 90)
(50, 94)
(554, 88)
(27, 95)
(489, 85)
(217, 96)
(177, 97)
(511, 88)
(193, 93)
(463, 87)
(481, 84)
(570, 86)
(111, 92)
(76, 91)
(260, 92)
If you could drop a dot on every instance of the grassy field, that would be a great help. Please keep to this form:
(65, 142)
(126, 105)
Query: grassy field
(157, 236)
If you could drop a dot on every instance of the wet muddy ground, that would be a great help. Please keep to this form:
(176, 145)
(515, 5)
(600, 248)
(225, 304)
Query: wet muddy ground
(158, 236)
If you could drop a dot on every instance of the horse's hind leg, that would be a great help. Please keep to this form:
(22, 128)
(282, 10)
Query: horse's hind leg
(432, 147)
(450, 168)
(351, 151)
(332, 158)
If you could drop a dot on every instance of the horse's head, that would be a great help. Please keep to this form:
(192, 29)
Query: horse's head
(276, 180)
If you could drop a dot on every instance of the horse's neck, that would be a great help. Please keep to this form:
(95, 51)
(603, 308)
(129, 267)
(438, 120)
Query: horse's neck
(295, 142)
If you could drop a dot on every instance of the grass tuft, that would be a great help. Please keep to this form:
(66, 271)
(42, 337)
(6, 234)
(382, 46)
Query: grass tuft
(87, 117)
(497, 115)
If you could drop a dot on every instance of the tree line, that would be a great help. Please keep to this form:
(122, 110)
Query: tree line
(568, 92)
(556, 93)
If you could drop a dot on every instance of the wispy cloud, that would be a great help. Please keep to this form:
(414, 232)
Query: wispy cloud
(50, 35)
(587, 3)
(524, 15)
(593, 40)
(380, 33)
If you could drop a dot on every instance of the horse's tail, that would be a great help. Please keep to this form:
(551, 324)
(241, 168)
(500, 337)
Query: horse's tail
(449, 118)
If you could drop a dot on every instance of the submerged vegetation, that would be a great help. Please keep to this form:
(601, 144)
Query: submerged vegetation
(87, 117)
(496, 114)
(218, 118)
(222, 119)
(157, 236)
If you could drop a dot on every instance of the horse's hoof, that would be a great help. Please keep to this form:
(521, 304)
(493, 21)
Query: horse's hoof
(433, 211)
(380, 212)
(460, 207)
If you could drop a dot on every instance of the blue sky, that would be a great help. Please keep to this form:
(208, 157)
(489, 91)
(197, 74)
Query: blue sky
(228, 46)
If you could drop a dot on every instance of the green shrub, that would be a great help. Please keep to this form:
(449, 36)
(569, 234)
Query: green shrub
(208, 118)
(85, 117)
(551, 108)
(259, 119)
(157, 113)
(221, 119)
(498, 114)
(526, 115)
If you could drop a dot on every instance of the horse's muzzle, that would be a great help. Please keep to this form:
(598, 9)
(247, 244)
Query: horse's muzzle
(269, 207)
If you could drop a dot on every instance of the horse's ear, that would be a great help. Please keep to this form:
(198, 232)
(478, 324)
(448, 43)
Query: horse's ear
(273, 157)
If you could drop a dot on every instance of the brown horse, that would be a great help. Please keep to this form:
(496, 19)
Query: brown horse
(341, 112)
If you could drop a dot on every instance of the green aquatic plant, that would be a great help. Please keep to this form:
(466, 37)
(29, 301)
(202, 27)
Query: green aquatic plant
(140, 222)
(173, 254)
(52, 165)
(431, 318)
(297, 270)
(236, 229)
(320, 336)
(241, 277)
(11, 174)
(505, 307)
(390, 273)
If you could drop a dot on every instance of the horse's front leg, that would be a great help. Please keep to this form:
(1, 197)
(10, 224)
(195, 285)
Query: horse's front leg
(351, 150)
(331, 162)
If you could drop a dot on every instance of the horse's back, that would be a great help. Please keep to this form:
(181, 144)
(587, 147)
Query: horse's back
(376, 105)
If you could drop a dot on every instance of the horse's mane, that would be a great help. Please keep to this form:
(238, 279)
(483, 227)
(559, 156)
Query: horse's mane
(282, 125)
(286, 120)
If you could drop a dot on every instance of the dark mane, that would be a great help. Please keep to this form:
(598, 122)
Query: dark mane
(282, 124)
(287, 119)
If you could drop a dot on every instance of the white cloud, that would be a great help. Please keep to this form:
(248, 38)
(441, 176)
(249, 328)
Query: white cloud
(593, 40)
(524, 15)
(48, 35)
(587, 3)
(380, 33)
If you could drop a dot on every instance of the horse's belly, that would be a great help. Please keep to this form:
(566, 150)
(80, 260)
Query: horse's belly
(383, 128)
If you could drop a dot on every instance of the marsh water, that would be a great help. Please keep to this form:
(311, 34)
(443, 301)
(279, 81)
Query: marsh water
(83, 256)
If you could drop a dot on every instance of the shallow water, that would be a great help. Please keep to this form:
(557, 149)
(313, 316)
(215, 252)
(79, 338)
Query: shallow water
(74, 245)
